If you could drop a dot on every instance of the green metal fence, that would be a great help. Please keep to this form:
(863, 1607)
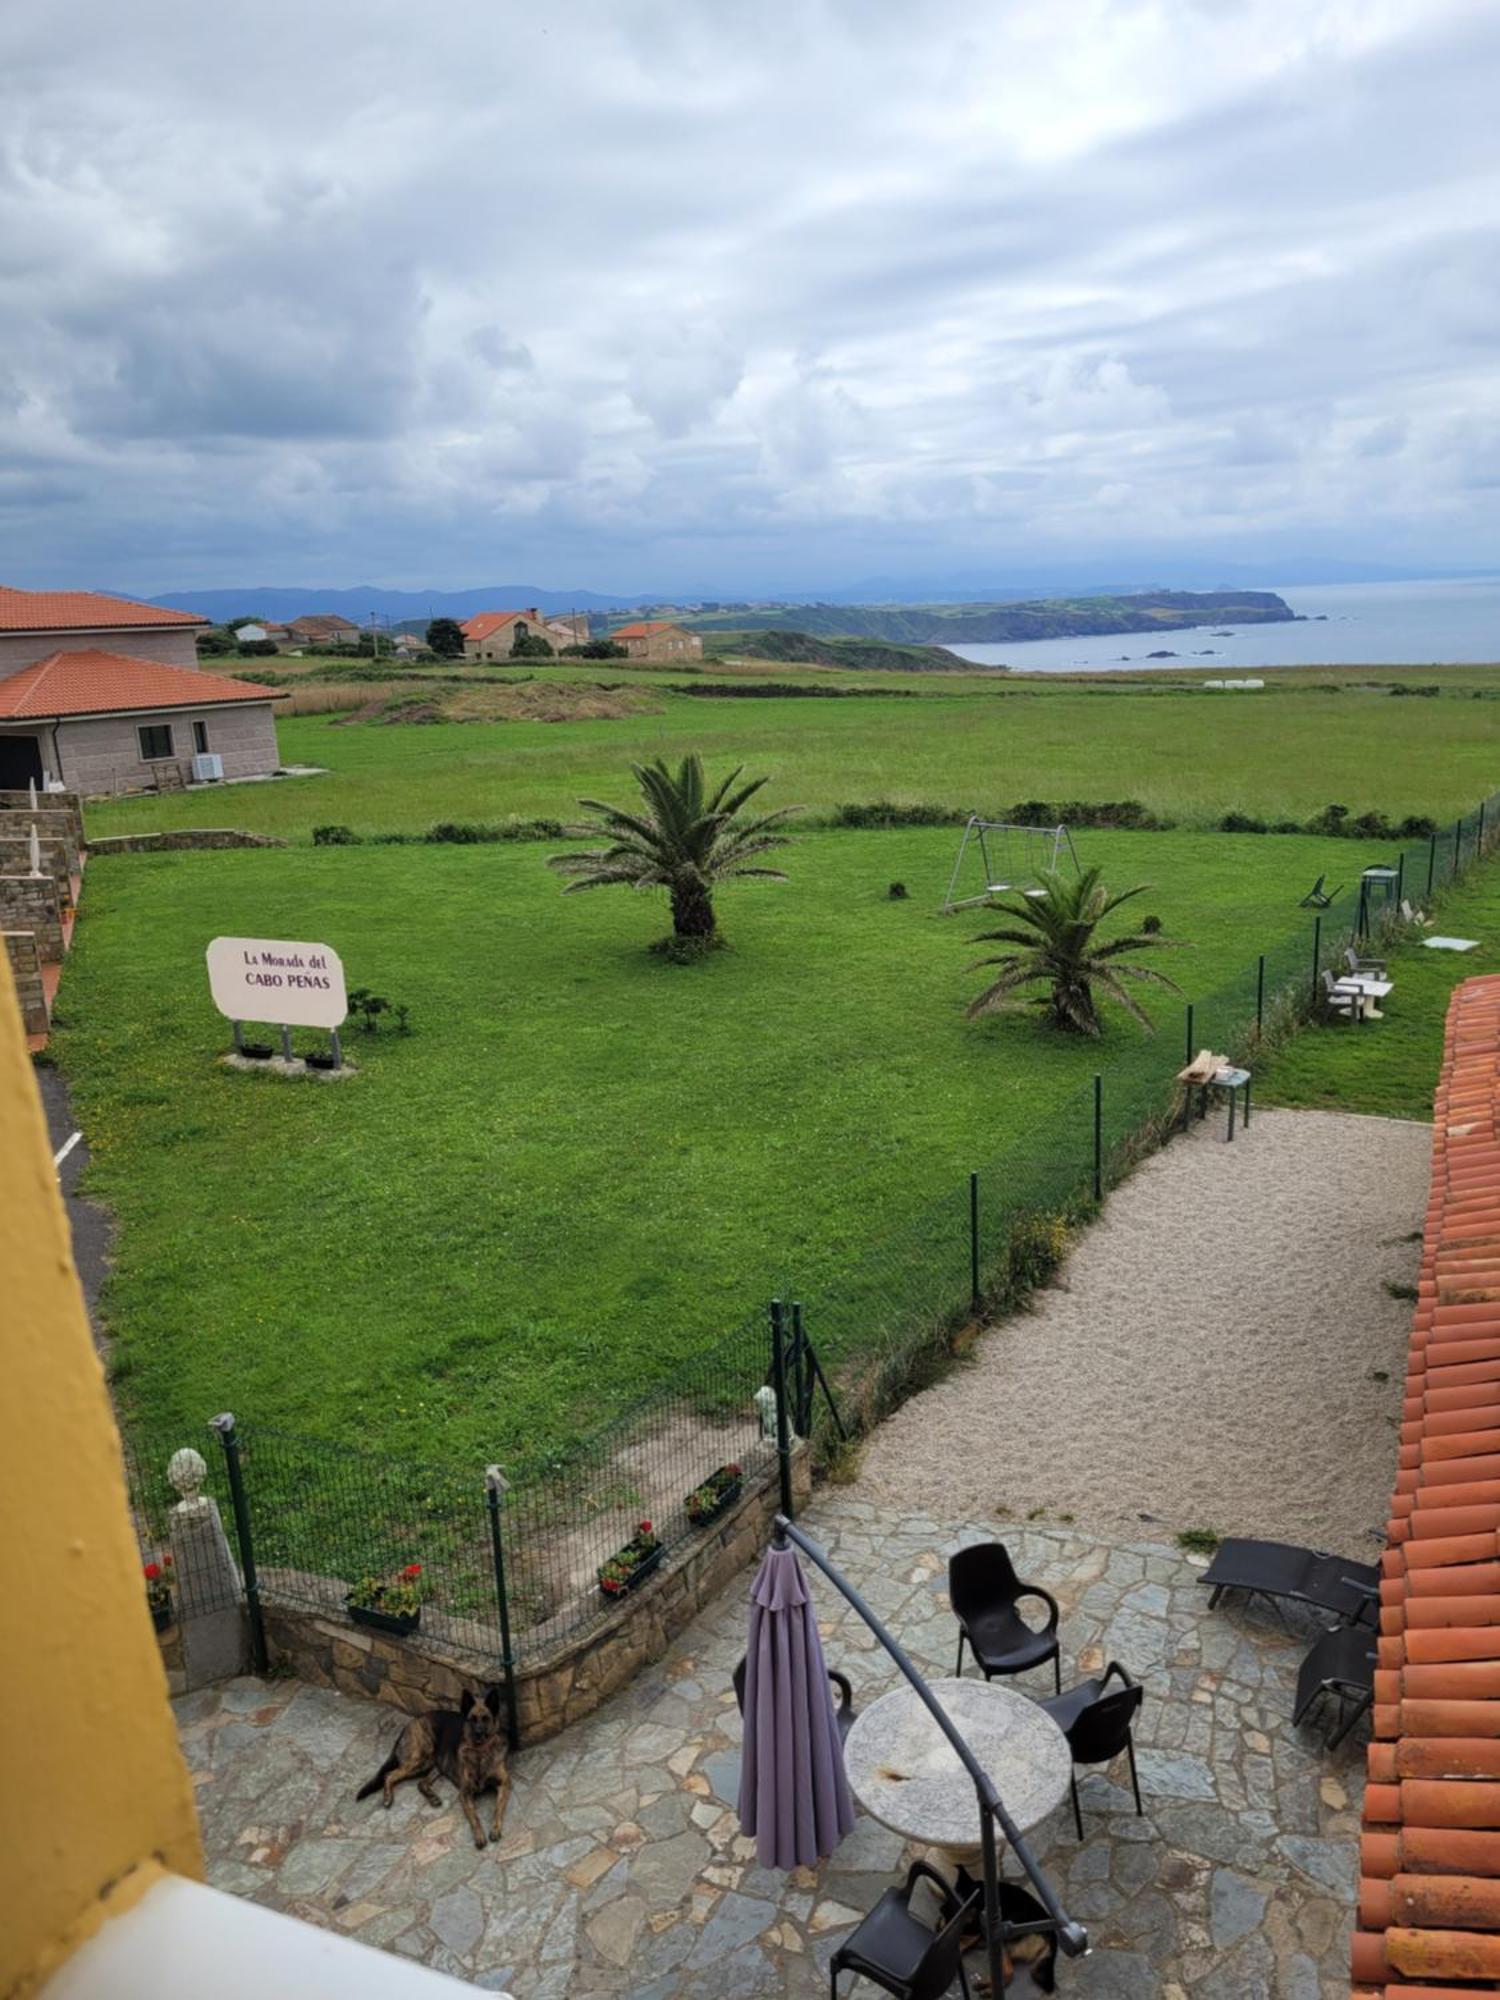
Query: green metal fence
(509, 1559)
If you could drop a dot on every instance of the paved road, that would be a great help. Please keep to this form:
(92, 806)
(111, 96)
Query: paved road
(93, 1230)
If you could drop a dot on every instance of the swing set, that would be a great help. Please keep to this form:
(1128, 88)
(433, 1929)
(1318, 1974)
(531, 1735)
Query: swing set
(1009, 857)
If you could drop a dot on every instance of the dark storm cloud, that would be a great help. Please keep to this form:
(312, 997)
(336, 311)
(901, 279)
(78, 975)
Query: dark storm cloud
(661, 292)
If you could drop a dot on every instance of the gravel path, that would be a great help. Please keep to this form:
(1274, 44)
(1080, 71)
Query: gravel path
(1207, 1357)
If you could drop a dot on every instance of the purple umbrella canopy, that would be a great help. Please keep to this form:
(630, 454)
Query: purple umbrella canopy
(794, 1796)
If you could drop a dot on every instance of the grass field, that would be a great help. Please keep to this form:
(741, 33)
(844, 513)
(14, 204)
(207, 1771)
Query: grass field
(1304, 742)
(584, 1164)
(1391, 1069)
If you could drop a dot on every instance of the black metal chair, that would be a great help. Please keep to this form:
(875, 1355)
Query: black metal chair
(899, 1953)
(1342, 1663)
(984, 1591)
(843, 1714)
(1317, 897)
(1099, 1725)
(1349, 1589)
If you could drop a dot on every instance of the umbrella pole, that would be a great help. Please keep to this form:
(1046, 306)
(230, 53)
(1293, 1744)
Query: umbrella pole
(1071, 1936)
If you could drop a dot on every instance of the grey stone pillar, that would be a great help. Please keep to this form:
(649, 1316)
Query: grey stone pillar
(210, 1596)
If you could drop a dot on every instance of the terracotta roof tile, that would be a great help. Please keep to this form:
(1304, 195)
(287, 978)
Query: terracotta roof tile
(95, 683)
(644, 627)
(485, 623)
(1429, 1893)
(81, 611)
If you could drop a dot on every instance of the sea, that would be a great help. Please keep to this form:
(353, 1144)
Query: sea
(1347, 624)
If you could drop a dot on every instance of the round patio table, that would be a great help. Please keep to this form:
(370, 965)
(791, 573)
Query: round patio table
(905, 1773)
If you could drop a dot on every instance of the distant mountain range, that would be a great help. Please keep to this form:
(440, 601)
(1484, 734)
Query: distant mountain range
(1000, 585)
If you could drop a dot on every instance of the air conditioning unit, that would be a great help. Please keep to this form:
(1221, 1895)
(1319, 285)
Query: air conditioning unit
(207, 767)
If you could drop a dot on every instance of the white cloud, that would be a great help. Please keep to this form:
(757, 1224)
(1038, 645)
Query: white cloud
(660, 293)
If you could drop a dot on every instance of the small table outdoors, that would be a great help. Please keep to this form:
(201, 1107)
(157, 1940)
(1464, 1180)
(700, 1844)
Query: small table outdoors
(905, 1773)
(1370, 989)
(1230, 1080)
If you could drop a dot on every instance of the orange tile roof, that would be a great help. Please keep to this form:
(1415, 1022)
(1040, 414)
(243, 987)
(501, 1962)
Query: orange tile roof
(484, 623)
(95, 683)
(1429, 1892)
(644, 628)
(81, 611)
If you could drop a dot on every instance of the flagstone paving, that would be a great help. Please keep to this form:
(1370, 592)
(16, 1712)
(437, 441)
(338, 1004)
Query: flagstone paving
(622, 1871)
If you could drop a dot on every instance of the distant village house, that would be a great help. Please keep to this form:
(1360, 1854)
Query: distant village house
(321, 628)
(101, 694)
(658, 639)
(491, 635)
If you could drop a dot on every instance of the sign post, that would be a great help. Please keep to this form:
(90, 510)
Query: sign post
(278, 980)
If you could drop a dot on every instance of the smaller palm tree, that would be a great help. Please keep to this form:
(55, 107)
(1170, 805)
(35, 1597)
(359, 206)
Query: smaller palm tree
(686, 839)
(1058, 949)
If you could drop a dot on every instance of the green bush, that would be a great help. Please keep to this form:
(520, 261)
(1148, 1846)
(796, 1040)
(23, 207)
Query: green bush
(335, 836)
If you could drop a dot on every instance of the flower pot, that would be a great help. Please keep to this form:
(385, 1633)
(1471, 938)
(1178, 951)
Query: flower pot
(398, 1623)
(258, 1051)
(712, 1509)
(161, 1616)
(638, 1573)
(321, 1059)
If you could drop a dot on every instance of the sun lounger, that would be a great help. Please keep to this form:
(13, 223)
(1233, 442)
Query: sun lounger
(1342, 1663)
(1349, 1589)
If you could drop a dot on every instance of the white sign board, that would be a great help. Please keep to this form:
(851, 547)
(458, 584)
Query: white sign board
(275, 979)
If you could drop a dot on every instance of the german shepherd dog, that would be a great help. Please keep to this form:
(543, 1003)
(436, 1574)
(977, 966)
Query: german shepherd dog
(469, 1749)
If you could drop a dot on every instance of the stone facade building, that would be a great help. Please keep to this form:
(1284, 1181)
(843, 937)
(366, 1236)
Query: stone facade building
(658, 639)
(99, 694)
(491, 635)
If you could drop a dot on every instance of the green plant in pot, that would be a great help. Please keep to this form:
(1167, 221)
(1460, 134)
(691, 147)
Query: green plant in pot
(632, 1563)
(717, 1493)
(159, 1582)
(390, 1603)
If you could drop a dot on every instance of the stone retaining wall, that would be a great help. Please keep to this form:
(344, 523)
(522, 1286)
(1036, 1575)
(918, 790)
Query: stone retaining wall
(66, 803)
(50, 825)
(58, 860)
(558, 1688)
(31, 903)
(180, 838)
(26, 967)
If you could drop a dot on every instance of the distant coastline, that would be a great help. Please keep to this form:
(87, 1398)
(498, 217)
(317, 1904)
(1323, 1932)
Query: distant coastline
(994, 624)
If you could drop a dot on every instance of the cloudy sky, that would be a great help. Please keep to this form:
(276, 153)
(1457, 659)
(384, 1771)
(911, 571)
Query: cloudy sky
(702, 296)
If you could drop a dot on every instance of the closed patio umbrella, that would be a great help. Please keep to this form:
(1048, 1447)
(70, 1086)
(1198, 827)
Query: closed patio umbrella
(794, 1796)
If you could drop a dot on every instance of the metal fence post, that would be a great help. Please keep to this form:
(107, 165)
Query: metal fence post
(1188, 1044)
(1098, 1137)
(1479, 836)
(224, 1425)
(1431, 861)
(778, 1383)
(802, 1375)
(1317, 954)
(1400, 879)
(975, 1300)
(495, 1486)
(1458, 842)
(1260, 995)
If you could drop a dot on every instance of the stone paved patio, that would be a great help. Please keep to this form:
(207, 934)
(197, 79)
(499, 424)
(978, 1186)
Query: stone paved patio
(622, 1871)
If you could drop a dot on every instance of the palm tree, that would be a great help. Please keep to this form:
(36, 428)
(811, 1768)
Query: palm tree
(686, 839)
(1059, 950)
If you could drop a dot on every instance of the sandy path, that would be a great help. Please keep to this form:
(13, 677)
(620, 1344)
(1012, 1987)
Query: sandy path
(1206, 1357)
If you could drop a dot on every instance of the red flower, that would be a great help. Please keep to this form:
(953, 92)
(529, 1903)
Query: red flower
(167, 1561)
(643, 1528)
(152, 1572)
(733, 1471)
(411, 1570)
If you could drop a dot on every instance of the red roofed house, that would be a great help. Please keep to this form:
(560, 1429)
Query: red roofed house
(100, 694)
(658, 639)
(321, 628)
(490, 635)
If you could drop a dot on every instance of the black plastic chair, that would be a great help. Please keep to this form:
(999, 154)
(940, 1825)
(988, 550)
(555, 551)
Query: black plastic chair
(984, 1591)
(1099, 1725)
(843, 1714)
(1317, 897)
(1342, 1663)
(899, 1953)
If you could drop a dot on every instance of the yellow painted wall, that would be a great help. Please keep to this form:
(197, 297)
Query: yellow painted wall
(94, 1797)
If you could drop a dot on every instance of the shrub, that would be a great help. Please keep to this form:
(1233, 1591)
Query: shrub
(596, 649)
(1417, 826)
(474, 833)
(898, 892)
(1038, 1244)
(1238, 822)
(335, 836)
(883, 812)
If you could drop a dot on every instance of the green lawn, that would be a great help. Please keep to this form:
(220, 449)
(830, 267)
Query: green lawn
(1189, 755)
(1390, 1067)
(584, 1164)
